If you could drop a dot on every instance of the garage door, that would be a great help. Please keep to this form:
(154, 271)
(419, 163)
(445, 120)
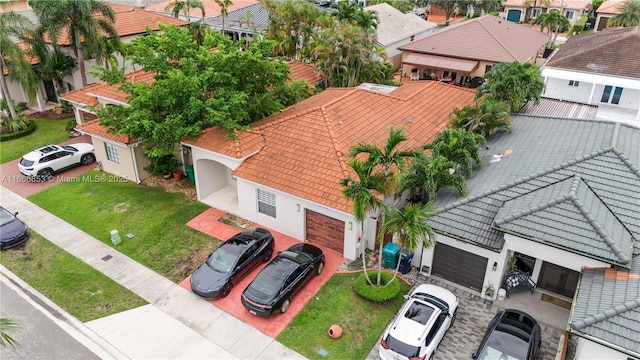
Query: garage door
(514, 15)
(459, 266)
(325, 230)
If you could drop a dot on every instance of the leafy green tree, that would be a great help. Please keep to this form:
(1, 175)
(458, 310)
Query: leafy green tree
(14, 59)
(82, 21)
(193, 88)
(8, 326)
(404, 6)
(448, 6)
(514, 83)
(352, 12)
(460, 146)
(183, 7)
(484, 117)
(224, 9)
(595, 4)
(428, 174)
(629, 15)
(294, 92)
(198, 30)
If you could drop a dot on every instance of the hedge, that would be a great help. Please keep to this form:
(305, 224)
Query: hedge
(18, 134)
(377, 293)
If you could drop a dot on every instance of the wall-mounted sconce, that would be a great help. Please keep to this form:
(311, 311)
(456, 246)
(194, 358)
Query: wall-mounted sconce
(350, 225)
(495, 266)
(298, 207)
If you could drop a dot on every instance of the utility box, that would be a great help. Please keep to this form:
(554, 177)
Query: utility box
(191, 174)
(390, 254)
(405, 262)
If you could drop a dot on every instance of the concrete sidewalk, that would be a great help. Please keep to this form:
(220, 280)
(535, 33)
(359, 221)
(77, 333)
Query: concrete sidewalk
(177, 324)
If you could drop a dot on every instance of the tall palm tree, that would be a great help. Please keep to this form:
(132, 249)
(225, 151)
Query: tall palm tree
(410, 226)
(484, 117)
(459, 146)
(364, 193)
(184, 6)
(629, 15)
(13, 58)
(82, 21)
(224, 9)
(7, 326)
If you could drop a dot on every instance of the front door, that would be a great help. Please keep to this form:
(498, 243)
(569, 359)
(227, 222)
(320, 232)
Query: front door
(50, 90)
(559, 280)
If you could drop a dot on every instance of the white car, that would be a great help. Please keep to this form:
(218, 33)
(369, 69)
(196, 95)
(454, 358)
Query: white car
(419, 326)
(50, 159)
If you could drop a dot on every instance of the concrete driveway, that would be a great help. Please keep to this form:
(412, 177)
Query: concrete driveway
(13, 180)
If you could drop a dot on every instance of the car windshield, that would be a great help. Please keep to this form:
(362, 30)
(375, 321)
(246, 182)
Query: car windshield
(5, 217)
(70, 148)
(503, 345)
(25, 162)
(401, 348)
(222, 260)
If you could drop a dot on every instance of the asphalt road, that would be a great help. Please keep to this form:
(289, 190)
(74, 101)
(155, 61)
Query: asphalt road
(39, 336)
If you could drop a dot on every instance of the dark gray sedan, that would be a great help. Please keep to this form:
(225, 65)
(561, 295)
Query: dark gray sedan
(13, 232)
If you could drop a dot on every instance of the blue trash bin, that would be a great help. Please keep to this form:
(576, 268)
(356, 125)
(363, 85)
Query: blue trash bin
(405, 262)
(390, 254)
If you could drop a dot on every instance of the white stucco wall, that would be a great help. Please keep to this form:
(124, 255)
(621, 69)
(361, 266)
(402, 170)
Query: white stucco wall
(125, 168)
(18, 95)
(560, 89)
(589, 350)
(288, 219)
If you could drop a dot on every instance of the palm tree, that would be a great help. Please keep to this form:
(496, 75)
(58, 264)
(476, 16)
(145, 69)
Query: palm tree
(13, 59)
(184, 6)
(410, 226)
(553, 21)
(82, 21)
(7, 326)
(629, 15)
(198, 30)
(459, 146)
(224, 9)
(484, 117)
(534, 4)
(428, 174)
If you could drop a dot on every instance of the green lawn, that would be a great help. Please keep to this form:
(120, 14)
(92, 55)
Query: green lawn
(47, 132)
(75, 286)
(156, 218)
(362, 321)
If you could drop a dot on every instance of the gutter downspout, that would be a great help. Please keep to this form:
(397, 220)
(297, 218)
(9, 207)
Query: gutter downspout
(135, 163)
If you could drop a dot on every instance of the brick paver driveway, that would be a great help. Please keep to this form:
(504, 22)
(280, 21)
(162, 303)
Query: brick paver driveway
(465, 335)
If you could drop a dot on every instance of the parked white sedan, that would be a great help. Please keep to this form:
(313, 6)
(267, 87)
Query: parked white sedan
(419, 326)
(50, 159)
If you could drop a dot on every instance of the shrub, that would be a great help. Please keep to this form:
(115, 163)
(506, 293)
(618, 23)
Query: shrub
(162, 165)
(14, 135)
(71, 124)
(377, 293)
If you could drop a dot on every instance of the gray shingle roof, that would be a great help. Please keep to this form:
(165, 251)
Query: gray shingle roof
(395, 25)
(566, 183)
(260, 19)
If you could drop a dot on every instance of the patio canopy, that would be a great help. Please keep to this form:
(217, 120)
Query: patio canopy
(441, 62)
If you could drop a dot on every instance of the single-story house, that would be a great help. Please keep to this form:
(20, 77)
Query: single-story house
(606, 10)
(598, 69)
(396, 28)
(522, 11)
(211, 8)
(130, 22)
(471, 48)
(556, 194)
(285, 171)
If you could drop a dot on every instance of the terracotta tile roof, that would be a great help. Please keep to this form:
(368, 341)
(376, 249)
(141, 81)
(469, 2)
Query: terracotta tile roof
(305, 153)
(486, 38)
(211, 9)
(81, 96)
(14, 6)
(610, 7)
(25, 48)
(88, 95)
(592, 53)
(553, 4)
(132, 21)
(303, 71)
(94, 128)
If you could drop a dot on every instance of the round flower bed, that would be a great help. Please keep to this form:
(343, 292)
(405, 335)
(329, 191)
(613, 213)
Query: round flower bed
(389, 288)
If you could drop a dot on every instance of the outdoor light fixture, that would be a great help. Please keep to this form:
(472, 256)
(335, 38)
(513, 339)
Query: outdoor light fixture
(495, 266)
(350, 225)
(298, 207)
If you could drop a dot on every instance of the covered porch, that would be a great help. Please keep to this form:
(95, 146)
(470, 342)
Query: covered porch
(225, 199)
(431, 67)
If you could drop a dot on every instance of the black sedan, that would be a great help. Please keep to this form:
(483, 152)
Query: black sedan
(271, 291)
(511, 335)
(13, 232)
(231, 262)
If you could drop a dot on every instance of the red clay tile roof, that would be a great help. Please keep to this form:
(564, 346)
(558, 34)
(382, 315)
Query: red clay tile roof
(94, 128)
(610, 7)
(486, 38)
(81, 96)
(132, 21)
(25, 48)
(303, 71)
(210, 7)
(592, 53)
(305, 153)
(553, 4)
(88, 95)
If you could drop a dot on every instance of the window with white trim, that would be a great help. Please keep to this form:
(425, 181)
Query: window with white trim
(569, 14)
(112, 152)
(266, 203)
(574, 83)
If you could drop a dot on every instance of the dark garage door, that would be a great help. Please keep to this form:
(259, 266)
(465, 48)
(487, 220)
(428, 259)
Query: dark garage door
(325, 230)
(459, 266)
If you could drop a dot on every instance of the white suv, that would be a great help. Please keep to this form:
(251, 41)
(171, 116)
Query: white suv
(46, 161)
(419, 326)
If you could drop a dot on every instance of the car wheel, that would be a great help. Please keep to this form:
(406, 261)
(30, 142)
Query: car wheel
(285, 306)
(267, 255)
(453, 319)
(45, 174)
(319, 268)
(226, 289)
(87, 159)
(432, 356)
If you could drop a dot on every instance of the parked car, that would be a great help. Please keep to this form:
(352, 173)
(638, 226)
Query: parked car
(419, 326)
(50, 159)
(231, 262)
(13, 232)
(271, 291)
(511, 335)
